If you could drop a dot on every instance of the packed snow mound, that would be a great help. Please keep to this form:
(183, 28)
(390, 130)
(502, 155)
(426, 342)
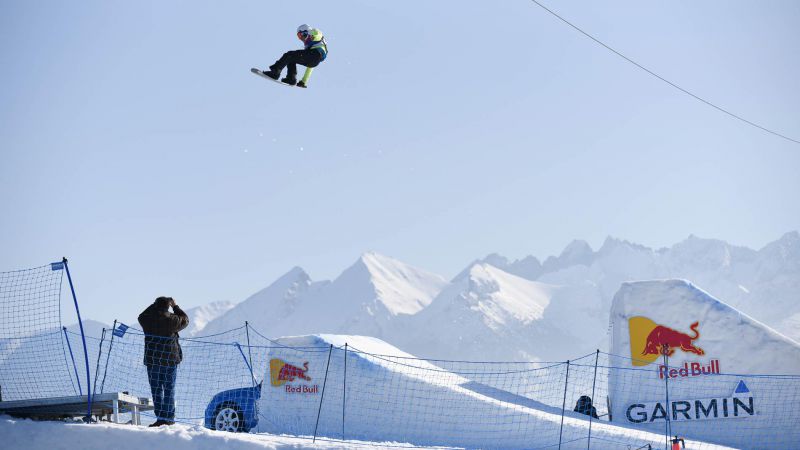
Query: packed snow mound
(390, 396)
(747, 345)
(716, 369)
(36, 365)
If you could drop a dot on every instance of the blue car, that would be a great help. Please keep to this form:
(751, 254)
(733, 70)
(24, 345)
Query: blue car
(234, 410)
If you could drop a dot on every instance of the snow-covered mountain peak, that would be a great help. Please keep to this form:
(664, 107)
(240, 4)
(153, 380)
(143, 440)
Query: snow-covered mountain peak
(612, 245)
(201, 316)
(501, 296)
(401, 288)
(576, 250)
(293, 281)
(707, 254)
(787, 248)
(276, 301)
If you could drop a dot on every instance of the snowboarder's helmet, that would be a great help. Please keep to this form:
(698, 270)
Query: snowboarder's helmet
(303, 30)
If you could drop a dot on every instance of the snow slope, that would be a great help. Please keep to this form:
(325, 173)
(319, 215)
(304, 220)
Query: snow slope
(392, 397)
(41, 364)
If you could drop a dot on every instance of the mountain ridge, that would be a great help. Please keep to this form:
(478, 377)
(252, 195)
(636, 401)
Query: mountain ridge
(493, 304)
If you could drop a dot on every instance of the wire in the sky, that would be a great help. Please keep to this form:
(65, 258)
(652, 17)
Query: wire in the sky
(696, 97)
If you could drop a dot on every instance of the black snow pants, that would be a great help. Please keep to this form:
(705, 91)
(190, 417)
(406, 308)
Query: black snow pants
(307, 57)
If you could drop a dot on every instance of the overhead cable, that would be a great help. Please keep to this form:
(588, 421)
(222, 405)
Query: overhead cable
(696, 97)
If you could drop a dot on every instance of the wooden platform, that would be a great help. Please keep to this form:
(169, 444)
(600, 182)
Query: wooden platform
(108, 404)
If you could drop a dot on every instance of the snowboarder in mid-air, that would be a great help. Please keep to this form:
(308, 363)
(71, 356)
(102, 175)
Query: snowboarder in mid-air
(314, 53)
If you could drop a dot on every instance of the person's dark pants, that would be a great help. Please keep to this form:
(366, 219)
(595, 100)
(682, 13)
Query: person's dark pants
(162, 385)
(308, 57)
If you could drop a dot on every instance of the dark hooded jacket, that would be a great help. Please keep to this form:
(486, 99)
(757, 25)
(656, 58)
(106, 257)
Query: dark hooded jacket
(161, 346)
(584, 406)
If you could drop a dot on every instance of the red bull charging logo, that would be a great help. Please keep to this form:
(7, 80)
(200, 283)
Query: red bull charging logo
(664, 340)
(649, 341)
(281, 372)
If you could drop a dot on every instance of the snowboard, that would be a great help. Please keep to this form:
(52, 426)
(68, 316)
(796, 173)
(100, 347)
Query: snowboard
(261, 74)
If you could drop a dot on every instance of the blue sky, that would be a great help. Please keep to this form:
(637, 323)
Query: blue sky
(134, 140)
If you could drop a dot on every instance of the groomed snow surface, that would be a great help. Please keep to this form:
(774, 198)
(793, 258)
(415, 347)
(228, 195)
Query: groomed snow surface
(30, 435)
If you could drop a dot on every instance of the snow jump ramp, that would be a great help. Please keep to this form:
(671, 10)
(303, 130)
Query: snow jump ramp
(393, 397)
(727, 378)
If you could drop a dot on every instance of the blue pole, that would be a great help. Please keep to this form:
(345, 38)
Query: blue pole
(249, 367)
(74, 366)
(83, 338)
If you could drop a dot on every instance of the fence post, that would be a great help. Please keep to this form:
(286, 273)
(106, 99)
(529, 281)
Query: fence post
(249, 353)
(74, 366)
(344, 387)
(594, 382)
(563, 406)
(322, 395)
(99, 354)
(83, 338)
(667, 425)
(108, 356)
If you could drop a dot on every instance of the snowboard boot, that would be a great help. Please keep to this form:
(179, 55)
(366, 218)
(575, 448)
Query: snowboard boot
(289, 81)
(157, 423)
(301, 84)
(270, 73)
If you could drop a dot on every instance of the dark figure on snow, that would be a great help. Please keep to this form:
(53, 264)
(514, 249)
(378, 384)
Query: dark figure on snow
(314, 53)
(162, 354)
(584, 406)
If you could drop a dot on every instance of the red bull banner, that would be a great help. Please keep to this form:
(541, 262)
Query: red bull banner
(649, 341)
(284, 374)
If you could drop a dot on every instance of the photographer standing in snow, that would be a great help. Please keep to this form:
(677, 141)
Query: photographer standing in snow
(162, 354)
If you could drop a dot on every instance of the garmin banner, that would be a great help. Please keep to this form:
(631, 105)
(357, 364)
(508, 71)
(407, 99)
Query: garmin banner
(740, 405)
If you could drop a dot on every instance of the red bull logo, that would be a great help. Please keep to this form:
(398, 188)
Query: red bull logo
(649, 341)
(664, 340)
(282, 372)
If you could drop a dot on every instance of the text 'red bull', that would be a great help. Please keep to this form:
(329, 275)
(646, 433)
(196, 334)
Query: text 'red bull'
(694, 369)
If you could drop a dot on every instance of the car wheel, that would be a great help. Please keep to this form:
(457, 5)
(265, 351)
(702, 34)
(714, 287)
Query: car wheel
(229, 418)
